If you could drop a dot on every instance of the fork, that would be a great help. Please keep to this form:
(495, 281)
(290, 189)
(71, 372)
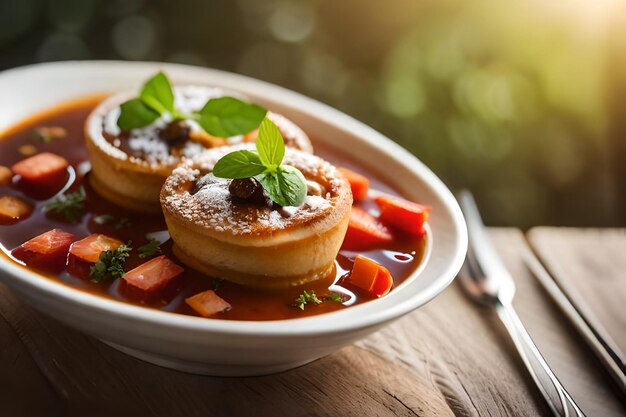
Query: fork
(486, 280)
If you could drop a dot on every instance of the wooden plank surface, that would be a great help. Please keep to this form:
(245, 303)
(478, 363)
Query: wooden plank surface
(590, 266)
(450, 357)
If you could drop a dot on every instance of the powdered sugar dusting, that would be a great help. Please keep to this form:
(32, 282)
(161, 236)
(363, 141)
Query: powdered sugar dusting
(147, 142)
(110, 121)
(145, 145)
(315, 202)
(212, 206)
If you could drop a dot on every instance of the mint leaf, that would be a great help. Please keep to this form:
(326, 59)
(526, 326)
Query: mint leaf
(270, 144)
(239, 164)
(135, 114)
(292, 185)
(269, 181)
(156, 97)
(286, 186)
(157, 94)
(227, 116)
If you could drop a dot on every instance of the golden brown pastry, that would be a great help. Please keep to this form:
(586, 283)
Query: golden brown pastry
(129, 167)
(255, 242)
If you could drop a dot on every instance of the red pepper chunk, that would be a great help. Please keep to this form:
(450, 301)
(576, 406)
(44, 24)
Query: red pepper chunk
(359, 184)
(149, 281)
(42, 174)
(403, 215)
(370, 276)
(208, 303)
(86, 252)
(364, 231)
(46, 251)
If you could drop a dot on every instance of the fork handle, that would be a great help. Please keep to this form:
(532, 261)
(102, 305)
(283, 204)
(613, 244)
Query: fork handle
(560, 402)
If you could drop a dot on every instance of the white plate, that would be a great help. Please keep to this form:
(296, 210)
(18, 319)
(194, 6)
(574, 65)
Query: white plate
(222, 347)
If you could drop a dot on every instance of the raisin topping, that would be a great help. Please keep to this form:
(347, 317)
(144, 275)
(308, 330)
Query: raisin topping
(175, 132)
(247, 189)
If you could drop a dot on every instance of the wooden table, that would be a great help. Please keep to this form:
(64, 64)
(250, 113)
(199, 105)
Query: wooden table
(450, 357)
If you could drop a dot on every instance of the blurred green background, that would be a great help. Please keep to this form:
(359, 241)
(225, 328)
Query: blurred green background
(521, 101)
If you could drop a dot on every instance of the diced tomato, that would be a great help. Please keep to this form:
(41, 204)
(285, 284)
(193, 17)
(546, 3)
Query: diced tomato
(86, 252)
(359, 184)
(208, 303)
(46, 251)
(13, 209)
(40, 167)
(364, 231)
(44, 173)
(404, 215)
(370, 276)
(90, 248)
(151, 280)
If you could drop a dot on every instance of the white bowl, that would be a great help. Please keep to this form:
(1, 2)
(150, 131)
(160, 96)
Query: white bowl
(221, 347)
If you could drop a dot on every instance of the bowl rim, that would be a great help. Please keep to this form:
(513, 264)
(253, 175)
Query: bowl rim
(357, 317)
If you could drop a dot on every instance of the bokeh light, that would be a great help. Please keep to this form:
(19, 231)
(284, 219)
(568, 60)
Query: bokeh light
(519, 101)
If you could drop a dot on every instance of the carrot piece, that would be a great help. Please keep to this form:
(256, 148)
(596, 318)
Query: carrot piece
(364, 231)
(86, 252)
(150, 280)
(359, 184)
(402, 214)
(5, 175)
(208, 303)
(46, 251)
(13, 209)
(370, 276)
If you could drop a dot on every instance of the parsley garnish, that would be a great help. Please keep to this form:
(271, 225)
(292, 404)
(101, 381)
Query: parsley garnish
(310, 297)
(120, 222)
(123, 222)
(149, 249)
(43, 137)
(71, 206)
(285, 184)
(47, 134)
(220, 117)
(103, 219)
(110, 263)
(333, 296)
(305, 298)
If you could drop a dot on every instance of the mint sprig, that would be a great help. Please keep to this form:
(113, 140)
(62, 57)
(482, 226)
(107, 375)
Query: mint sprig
(285, 184)
(157, 94)
(221, 117)
(227, 116)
